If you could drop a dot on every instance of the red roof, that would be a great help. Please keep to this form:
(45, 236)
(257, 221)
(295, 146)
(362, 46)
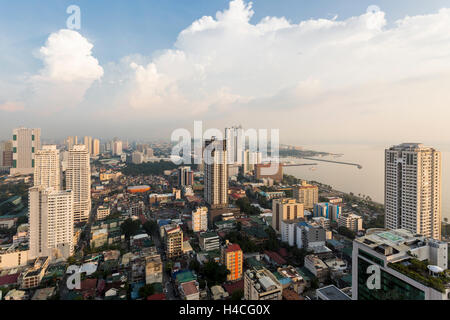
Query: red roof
(289, 294)
(9, 279)
(157, 296)
(275, 257)
(233, 247)
(189, 288)
(89, 284)
(283, 252)
(235, 196)
(231, 287)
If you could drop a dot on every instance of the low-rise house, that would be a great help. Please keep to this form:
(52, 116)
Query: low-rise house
(297, 283)
(317, 267)
(88, 288)
(13, 256)
(289, 294)
(44, 294)
(336, 266)
(15, 295)
(103, 212)
(9, 279)
(274, 258)
(157, 296)
(189, 290)
(219, 293)
(153, 269)
(224, 225)
(32, 278)
(209, 241)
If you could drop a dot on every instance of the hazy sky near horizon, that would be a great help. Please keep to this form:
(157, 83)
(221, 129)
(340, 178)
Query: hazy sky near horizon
(326, 71)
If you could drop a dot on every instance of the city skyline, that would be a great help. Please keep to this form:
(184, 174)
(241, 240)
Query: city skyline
(373, 84)
(227, 150)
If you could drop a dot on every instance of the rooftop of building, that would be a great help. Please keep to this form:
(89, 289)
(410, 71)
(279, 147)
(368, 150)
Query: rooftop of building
(190, 287)
(289, 294)
(185, 276)
(333, 293)
(411, 146)
(210, 234)
(218, 291)
(231, 247)
(290, 272)
(318, 263)
(157, 296)
(233, 286)
(393, 242)
(420, 272)
(404, 252)
(43, 294)
(275, 257)
(9, 279)
(263, 279)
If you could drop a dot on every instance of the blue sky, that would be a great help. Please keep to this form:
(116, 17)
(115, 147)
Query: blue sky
(225, 70)
(119, 28)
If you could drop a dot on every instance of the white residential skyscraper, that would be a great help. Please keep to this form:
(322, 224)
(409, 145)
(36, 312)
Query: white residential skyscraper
(413, 189)
(25, 143)
(71, 141)
(88, 144)
(51, 223)
(47, 171)
(96, 147)
(216, 173)
(78, 179)
(235, 139)
(117, 148)
(250, 159)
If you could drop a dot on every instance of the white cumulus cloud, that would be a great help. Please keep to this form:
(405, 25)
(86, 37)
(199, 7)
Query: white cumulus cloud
(226, 64)
(69, 71)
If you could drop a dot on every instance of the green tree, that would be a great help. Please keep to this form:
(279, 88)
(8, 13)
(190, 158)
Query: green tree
(150, 226)
(315, 283)
(237, 295)
(299, 255)
(169, 266)
(194, 265)
(130, 227)
(202, 284)
(346, 232)
(146, 290)
(246, 207)
(215, 273)
(71, 260)
(148, 168)
(272, 244)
